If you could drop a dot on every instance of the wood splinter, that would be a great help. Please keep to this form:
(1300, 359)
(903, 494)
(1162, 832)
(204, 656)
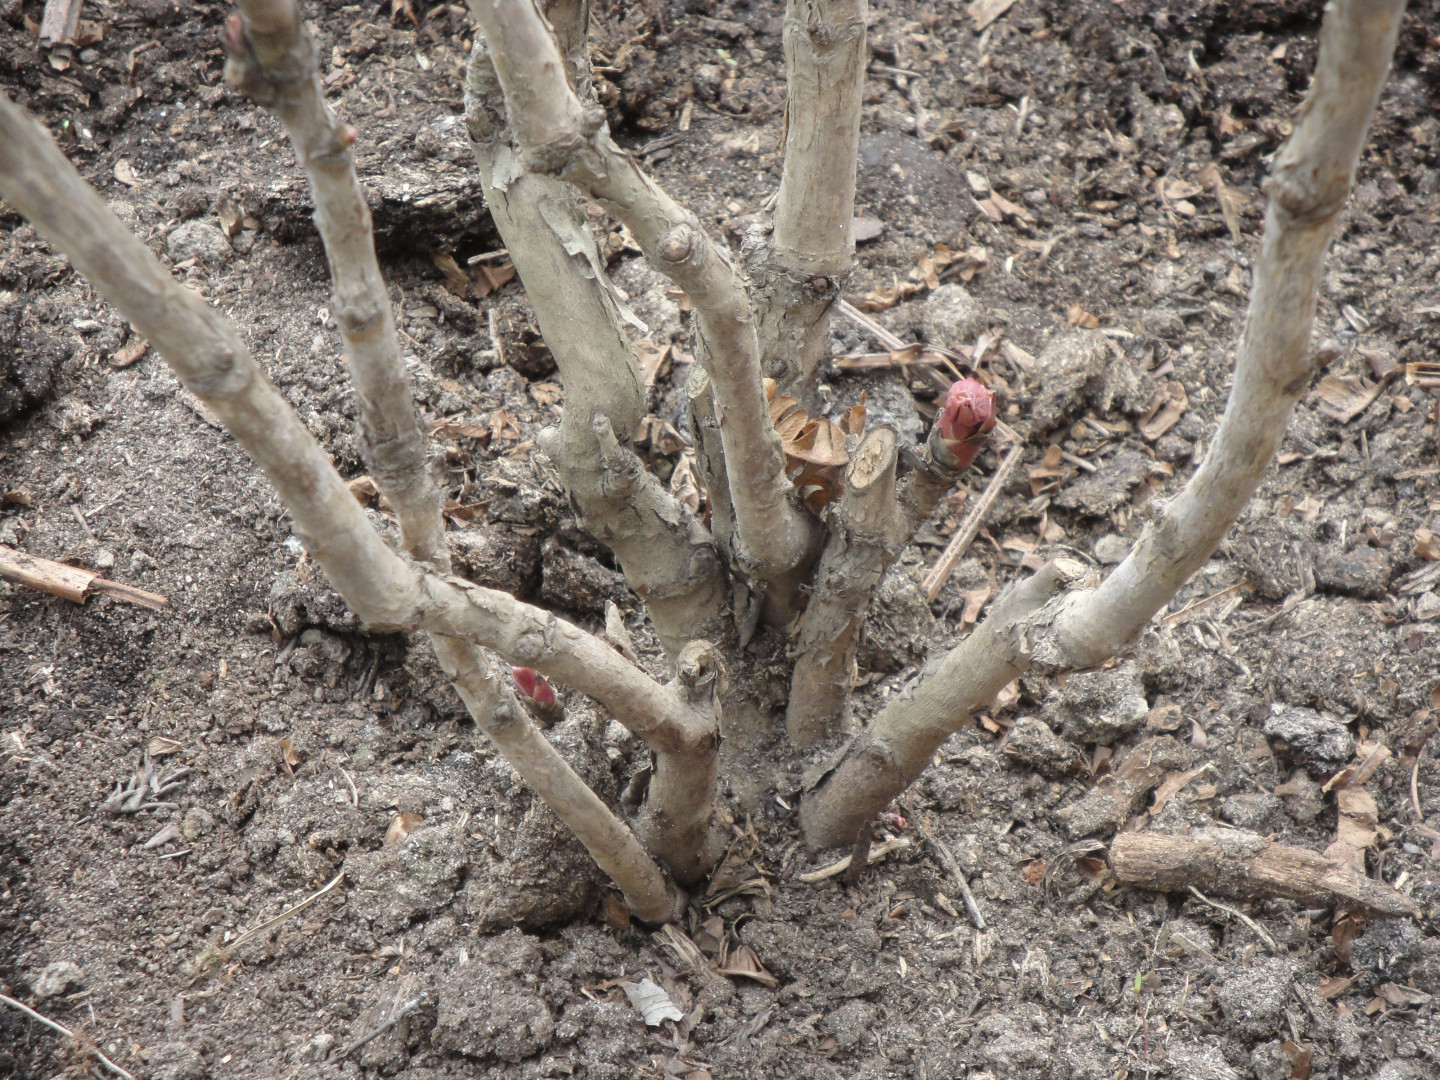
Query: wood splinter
(70, 582)
(1243, 864)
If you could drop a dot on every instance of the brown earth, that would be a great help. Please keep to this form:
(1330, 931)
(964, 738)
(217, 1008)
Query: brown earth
(1104, 127)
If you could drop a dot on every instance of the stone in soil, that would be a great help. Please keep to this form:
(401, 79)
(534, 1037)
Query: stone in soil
(1320, 744)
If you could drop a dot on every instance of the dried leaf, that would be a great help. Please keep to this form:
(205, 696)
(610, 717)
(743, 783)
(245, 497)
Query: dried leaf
(457, 429)
(614, 912)
(1077, 316)
(985, 12)
(1427, 547)
(131, 351)
(685, 482)
(486, 278)
(651, 1002)
(503, 424)
(125, 173)
(288, 753)
(819, 443)
(743, 962)
(975, 603)
(1335, 986)
(1355, 827)
(457, 280)
(852, 421)
(654, 360)
(1172, 785)
(17, 497)
(232, 217)
(546, 394)
(1166, 407)
(1395, 994)
(1344, 397)
(1300, 1060)
(401, 826)
(1175, 188)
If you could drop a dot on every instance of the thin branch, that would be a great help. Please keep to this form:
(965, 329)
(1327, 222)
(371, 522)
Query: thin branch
(1313, 175)
(274, 61)
(63, 1030)
(560, 136)
(974, 522)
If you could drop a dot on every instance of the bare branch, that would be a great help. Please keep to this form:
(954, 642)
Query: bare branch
(866, 534)
(800, 272)
(560, 136)
(1313, 174)
(668, 557)
(273, 61)
(386, 592)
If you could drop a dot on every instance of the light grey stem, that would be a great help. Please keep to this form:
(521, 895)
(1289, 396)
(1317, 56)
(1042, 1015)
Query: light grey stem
(560, 136)
(277, 68)
(800, 272)
(1313, 175)
(668, 557)
(386, 592)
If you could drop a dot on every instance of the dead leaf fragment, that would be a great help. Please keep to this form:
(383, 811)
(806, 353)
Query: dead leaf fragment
(651, 1002)
(1168, 405)
(743, 962)
(1078, 317)
(985, 12)
(1172, 785)
(457, 280)
(401, 826)
(1344, 397)
(131, 351)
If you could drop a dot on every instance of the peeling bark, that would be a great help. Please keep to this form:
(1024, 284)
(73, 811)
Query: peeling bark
(560, 136)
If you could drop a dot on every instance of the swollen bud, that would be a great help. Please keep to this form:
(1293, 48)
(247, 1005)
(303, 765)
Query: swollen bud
(966, 420)
(533, 685)
(233, 36)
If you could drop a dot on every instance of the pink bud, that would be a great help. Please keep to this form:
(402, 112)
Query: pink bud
(233, 36)
(534, 685)
(966, 420)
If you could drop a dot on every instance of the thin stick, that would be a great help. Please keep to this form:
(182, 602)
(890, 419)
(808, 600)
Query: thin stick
(878, 852)
(1251, 923)
(952, 868)
(400, 1014)
(1415, 784)
(1203, 601)
(63, 1030)
(965, 535)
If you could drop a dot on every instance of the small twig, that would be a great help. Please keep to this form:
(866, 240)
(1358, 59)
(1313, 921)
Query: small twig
(1415, 784)
(1251, 923)
(952, 868)
(354, 794)
(1203, 601)
(400, 1014)
(860, 855)
(63, 1030)
(209, 960)
(877, 852)
(940, 573)
(895, 343)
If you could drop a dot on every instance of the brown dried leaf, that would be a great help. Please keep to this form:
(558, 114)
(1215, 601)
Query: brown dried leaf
(17, 497)
(364, 489)
(819, 443)
(1077, 316)
(1166, 407)
(743, 962)
(503, 424)
(654, 359)
(486, 278)
(1172, 785)
(457, 280)
(458, 429)
(782, 404)
(1427, 546)
(1300, 1059)
(975, 603)
(401, 826)
(685, 482)
(159, 746)
(1356, 827)
(852, 421)
(1395, 994)
(1334, 986)
(1344, 397)
(131, 351)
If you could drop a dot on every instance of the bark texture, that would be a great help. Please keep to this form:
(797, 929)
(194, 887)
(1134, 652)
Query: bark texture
(668, 557)
(560, 136)
(800, 271)
(1313, 175)
(1242, 864)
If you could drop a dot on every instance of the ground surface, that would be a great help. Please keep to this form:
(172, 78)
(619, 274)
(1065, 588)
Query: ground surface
(1104, 128)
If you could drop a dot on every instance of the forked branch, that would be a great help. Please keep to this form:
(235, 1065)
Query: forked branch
(384, 590)
(559, 135)
(1313, 175)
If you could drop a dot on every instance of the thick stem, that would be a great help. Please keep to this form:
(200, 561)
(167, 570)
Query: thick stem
(800, 272)
(865, 537)
(1313, 174)
(897, 745)
(668, 557)
(274, 61)
(204, 350)
(559, 136)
